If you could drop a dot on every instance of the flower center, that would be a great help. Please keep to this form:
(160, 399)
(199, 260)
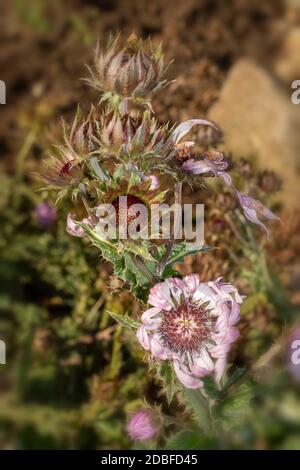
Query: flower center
(123, 211)
(185, 327)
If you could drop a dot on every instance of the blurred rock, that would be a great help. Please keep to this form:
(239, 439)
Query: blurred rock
(287, 66)
(259, 121)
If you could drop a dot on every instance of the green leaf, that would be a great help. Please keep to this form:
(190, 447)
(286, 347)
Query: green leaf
(124, 320)
(166, 374)
(108, 249)
(183, 249)
(233, 410)
(190, 440)
(210, 387)
(199, 406)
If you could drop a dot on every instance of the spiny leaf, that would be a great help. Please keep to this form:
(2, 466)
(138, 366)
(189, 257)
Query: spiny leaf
(166, 374)
(183, 249)
(124, 320)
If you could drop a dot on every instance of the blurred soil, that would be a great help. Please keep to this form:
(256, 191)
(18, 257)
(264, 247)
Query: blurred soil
(46, 44)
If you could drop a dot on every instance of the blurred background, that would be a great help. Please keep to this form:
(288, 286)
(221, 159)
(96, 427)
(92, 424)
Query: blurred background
(72, 375)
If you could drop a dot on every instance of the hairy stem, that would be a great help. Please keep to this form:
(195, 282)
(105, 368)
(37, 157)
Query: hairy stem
(177, 222)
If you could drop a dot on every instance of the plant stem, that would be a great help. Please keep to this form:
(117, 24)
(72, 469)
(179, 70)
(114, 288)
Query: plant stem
(177, 221)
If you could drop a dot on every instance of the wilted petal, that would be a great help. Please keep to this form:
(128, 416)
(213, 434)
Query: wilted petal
(147, 317)
(143, 337)
(177, 288)
(252, 208)
(196, 167)
(192, 282)
(73, 228)
(204, 293)
(160, 296)
(185, 378)
(154, 182)
(157, 348)
(185, 127)
(202, 365)
(224, 289)
(220, 368)
(226, 177)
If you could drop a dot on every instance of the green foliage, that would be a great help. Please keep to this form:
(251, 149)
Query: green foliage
(190, 440)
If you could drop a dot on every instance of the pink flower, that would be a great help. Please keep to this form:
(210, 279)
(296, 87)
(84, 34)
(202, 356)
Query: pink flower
(73, 228)
(142, 425)
(192, 324)
(210, 163)
(214, 163)
(154, 182)
(253, 208)
(45, 214)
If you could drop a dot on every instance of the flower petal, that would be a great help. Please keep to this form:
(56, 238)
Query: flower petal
(185, 378)
(192, 282)
(160, 296)
(143, 337)
(157, 348)
(73, 228)
(202, 365)
(220, 368)
(185, 127)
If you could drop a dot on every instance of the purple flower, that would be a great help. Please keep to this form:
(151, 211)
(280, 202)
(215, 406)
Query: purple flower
(253, 208)
(215, 163)
(210, 163)
(185, 127)
(191, 324)
(73, 228)
(45, 214)
(142, 425)
(154, 182)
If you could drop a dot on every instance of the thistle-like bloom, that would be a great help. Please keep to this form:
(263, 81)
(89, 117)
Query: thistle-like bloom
(83, 135)
(253, 208)
(133, 135)
(192, 324)
(45, 214)
(142, 425)
(133, 71)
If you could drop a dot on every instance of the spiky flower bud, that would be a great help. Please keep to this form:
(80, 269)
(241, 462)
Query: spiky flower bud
(82, 138)
(134, 135)
(132, 71)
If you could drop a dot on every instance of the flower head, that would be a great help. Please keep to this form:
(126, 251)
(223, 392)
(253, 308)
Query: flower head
(45, 214)
(134, 70)
(192, 324)
(142, 425)
(133, 135)
(83, 135)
